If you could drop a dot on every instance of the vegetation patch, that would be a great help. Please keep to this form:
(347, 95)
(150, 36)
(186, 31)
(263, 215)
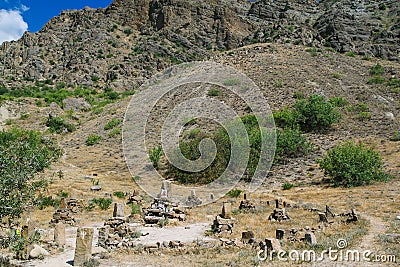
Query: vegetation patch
(23, 155)
(351, 164)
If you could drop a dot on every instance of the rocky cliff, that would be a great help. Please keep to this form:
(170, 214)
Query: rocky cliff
(130, 40)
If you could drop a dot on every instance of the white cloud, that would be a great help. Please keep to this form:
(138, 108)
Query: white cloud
(12, 25)
(24, 8)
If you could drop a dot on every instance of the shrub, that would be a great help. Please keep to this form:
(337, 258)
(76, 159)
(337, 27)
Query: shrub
(112, 124)
(59, 125)
(350, 54)
(286, 118)
(213, 92)
(189, 148)
(93, 139)
(23, 155)
(119, 194)
(395, 136)
(338, 102)
(114, 132)
(135, 208)
(234, 193)
(291, 143)
(155, 155)
(103, 203)
(376, 70)
(315, 114)
(376, 80)
(351, 164)
(287, 186)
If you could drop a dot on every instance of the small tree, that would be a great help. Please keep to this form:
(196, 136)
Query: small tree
(352, 164)
(23, 154)
(315, 114)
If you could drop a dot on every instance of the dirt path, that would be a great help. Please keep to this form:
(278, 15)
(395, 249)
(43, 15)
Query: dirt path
(153, 235)
(368, 242)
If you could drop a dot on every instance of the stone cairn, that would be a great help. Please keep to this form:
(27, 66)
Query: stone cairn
(65, 211)
(279, 213)
(162, 209)
(135, 198)
(246, 204)
(193, 200)
(116, 231)
(224, 222)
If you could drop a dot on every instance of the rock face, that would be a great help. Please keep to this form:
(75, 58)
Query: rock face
(130, 40)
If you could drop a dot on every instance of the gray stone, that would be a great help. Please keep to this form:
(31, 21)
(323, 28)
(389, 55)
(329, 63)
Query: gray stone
(273, 244)
(118, 210)
(37, 251)
(280, 234)
(310, 239)
(226, 210)
(59, 234)
(247, 236)
(75, 104)
(83, 249)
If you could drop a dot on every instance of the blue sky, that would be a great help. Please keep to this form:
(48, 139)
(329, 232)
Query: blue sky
(17, 16)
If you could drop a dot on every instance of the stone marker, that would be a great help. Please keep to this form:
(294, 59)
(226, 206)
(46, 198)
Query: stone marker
(118, 210)
(83, 249)
(322, 217)
(23, 254)
(273, 244)
(165, 189)
(280, 234)
(226, 210)
(310, 238)
(59, 234)
(247, 235)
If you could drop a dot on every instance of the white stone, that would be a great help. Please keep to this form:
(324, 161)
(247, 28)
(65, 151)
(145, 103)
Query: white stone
(37, 251)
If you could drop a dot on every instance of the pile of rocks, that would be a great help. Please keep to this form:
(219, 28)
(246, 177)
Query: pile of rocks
(193, 200)
(135, 198)
(246, 204)
(65, 210)
(224, 222)
(116, 231)
(162, 209)
(279, 214)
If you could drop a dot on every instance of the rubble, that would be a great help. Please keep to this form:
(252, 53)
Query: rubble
(279, 213)
(162, 209)
(246, 204)
(223, 223)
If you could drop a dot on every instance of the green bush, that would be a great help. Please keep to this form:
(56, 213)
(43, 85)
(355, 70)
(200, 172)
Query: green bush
(189, 147)
(315, 114)
(351, 164)
(155, 155)
(135, 208)
(338, 102)
(112, 124)
(59, 125)
(23, 155)
(396, 136)
(213, 92)
(290, 143)
(287, 186)
(103, 203)
(234, 193)
(119, 194)
(377, 70)
(93, 139)
(311, 115)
